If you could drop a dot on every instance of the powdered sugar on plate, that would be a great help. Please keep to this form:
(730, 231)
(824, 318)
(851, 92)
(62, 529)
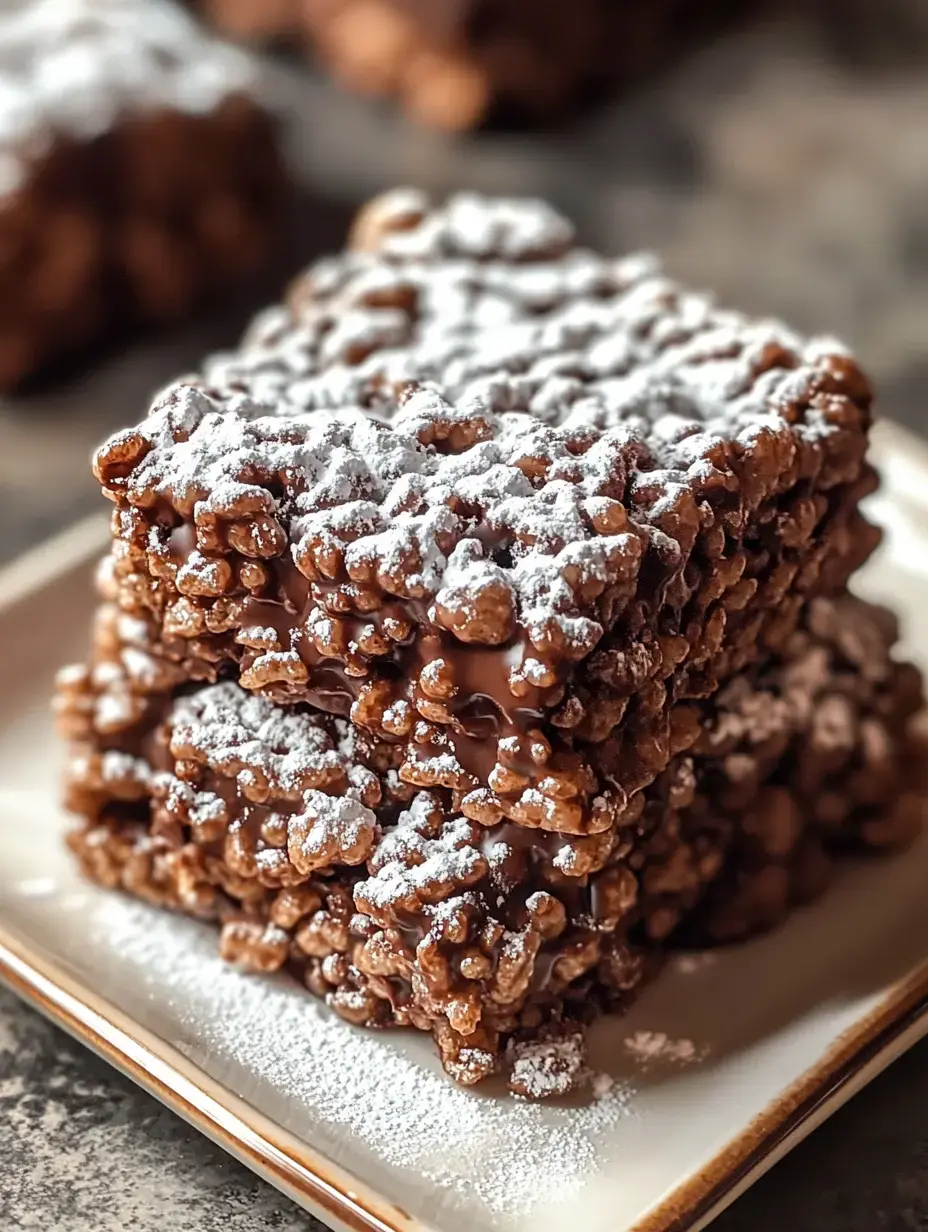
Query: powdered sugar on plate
(692, 964)
(385, 1091)
(653, 1047)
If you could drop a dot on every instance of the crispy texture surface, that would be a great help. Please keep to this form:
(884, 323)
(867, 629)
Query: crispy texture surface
(494, 497)
(295, 833)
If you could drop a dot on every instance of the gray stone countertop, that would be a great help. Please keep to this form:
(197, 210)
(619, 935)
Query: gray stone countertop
(790, 179)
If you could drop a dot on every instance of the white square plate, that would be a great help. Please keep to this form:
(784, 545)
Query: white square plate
(721, 1067)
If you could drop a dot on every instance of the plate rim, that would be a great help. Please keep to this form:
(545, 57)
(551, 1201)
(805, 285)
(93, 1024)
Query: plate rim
(853, 1060)
(330, 1192)
(157, 1066)
(857, 1056)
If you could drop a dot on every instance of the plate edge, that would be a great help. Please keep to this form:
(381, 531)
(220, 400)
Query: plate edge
(788, 1119)
(52, 559)
(158, 1067)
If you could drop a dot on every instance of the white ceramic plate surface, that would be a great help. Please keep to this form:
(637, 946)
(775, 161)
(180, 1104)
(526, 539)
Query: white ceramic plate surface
(721, 1067)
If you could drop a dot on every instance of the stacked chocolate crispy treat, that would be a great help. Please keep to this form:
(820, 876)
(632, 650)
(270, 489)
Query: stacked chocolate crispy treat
(480, 627)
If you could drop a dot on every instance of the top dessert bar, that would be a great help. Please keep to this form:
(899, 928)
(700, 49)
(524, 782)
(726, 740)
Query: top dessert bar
(494, 497)
(136, 168)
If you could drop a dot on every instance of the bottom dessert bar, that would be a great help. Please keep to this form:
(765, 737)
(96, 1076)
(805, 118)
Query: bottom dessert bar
(294, 832)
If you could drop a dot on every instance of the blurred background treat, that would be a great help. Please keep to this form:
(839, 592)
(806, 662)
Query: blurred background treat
(453, 64)
(778, 158)
(137, 170)
(870, 31)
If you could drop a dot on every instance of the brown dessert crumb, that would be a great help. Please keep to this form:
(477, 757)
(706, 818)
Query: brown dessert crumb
(452, 63)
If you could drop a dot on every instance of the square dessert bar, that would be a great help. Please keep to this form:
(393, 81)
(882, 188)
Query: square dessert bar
(452, 62)
(293, 831)
(137, 169)
(499, 501)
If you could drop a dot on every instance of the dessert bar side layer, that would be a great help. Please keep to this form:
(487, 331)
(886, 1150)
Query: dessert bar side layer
(293, 830)
(474, 482)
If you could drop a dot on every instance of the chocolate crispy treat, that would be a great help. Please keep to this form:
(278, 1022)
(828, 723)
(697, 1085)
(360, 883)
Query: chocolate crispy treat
(295, 832)
(495, 499)
(821, 754)
(137, 170)
(450, 63)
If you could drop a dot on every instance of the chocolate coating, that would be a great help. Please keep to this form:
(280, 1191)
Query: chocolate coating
(294, 832)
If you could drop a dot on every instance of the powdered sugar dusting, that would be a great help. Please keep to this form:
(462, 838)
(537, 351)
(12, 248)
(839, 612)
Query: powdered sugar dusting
(386, 1092)
(447, 859)
(652, 1047)
(233, 728)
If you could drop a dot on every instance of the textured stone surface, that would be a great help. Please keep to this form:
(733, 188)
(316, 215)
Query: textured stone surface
(84, 1149)
(788, 182)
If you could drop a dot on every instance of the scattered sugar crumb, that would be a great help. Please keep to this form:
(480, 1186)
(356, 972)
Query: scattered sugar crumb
(549, 1066)
(75, 901)
(602, 1084)
(36, 887)
(690, 964)
(648, 1047)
